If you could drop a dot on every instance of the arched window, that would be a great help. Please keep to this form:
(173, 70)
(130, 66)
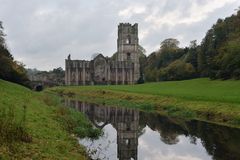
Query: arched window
(128, 40)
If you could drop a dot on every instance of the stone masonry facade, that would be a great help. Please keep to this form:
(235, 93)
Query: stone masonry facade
(121, 68)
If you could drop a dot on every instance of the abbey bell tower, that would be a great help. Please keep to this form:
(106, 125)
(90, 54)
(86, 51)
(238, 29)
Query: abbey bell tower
(127, 46)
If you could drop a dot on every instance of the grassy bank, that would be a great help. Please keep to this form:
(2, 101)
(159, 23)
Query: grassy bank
(36, 126)
(202, 99)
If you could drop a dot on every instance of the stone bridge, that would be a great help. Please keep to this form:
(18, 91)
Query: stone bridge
(40, 85)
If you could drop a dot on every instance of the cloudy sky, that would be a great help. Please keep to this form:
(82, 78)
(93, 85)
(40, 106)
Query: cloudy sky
(41, 33)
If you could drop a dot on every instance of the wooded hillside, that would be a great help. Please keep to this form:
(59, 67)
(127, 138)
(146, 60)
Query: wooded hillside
(217, 57)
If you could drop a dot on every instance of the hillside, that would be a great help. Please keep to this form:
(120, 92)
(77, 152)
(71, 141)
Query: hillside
(32, 128)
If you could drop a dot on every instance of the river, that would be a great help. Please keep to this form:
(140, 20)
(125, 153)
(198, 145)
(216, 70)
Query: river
(130, 134)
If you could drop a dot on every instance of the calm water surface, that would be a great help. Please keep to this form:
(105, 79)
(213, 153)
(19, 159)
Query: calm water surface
(130, 134)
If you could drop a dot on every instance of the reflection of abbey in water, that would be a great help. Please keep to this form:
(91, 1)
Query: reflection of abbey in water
(122, 68)
(124, 120)
(129, 123)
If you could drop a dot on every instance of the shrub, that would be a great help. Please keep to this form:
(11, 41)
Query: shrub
(177, 70)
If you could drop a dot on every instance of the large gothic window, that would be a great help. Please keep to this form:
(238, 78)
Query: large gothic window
(99, 70)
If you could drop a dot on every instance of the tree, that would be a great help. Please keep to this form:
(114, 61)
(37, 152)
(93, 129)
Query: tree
(10, 69)
(157, 61)
(177, 70)
(218, 49)
(170, 43)
(141, 50)
(218, 55)
(58, 70)
(228, 61)
(193, 44)
(192, 54)
(2, 40)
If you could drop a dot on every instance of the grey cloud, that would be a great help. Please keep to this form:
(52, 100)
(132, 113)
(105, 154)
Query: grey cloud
(42, 33)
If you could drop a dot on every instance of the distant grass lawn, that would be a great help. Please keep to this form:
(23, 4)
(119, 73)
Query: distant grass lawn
(211, 100)
(32, 126)
(196, 89)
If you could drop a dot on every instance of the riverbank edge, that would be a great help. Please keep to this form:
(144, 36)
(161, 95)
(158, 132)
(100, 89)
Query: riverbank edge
(48, 137)
(227, 114)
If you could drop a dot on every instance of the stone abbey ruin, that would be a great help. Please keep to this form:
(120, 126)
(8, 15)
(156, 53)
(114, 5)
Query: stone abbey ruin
(122, 68)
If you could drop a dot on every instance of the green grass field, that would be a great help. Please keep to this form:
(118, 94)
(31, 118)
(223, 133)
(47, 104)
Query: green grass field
(37, 126)
(32, 126)
(196, 89)
(216, 101)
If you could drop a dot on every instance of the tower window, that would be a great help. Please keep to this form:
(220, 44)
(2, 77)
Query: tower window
(128, 56)
(128, 40)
